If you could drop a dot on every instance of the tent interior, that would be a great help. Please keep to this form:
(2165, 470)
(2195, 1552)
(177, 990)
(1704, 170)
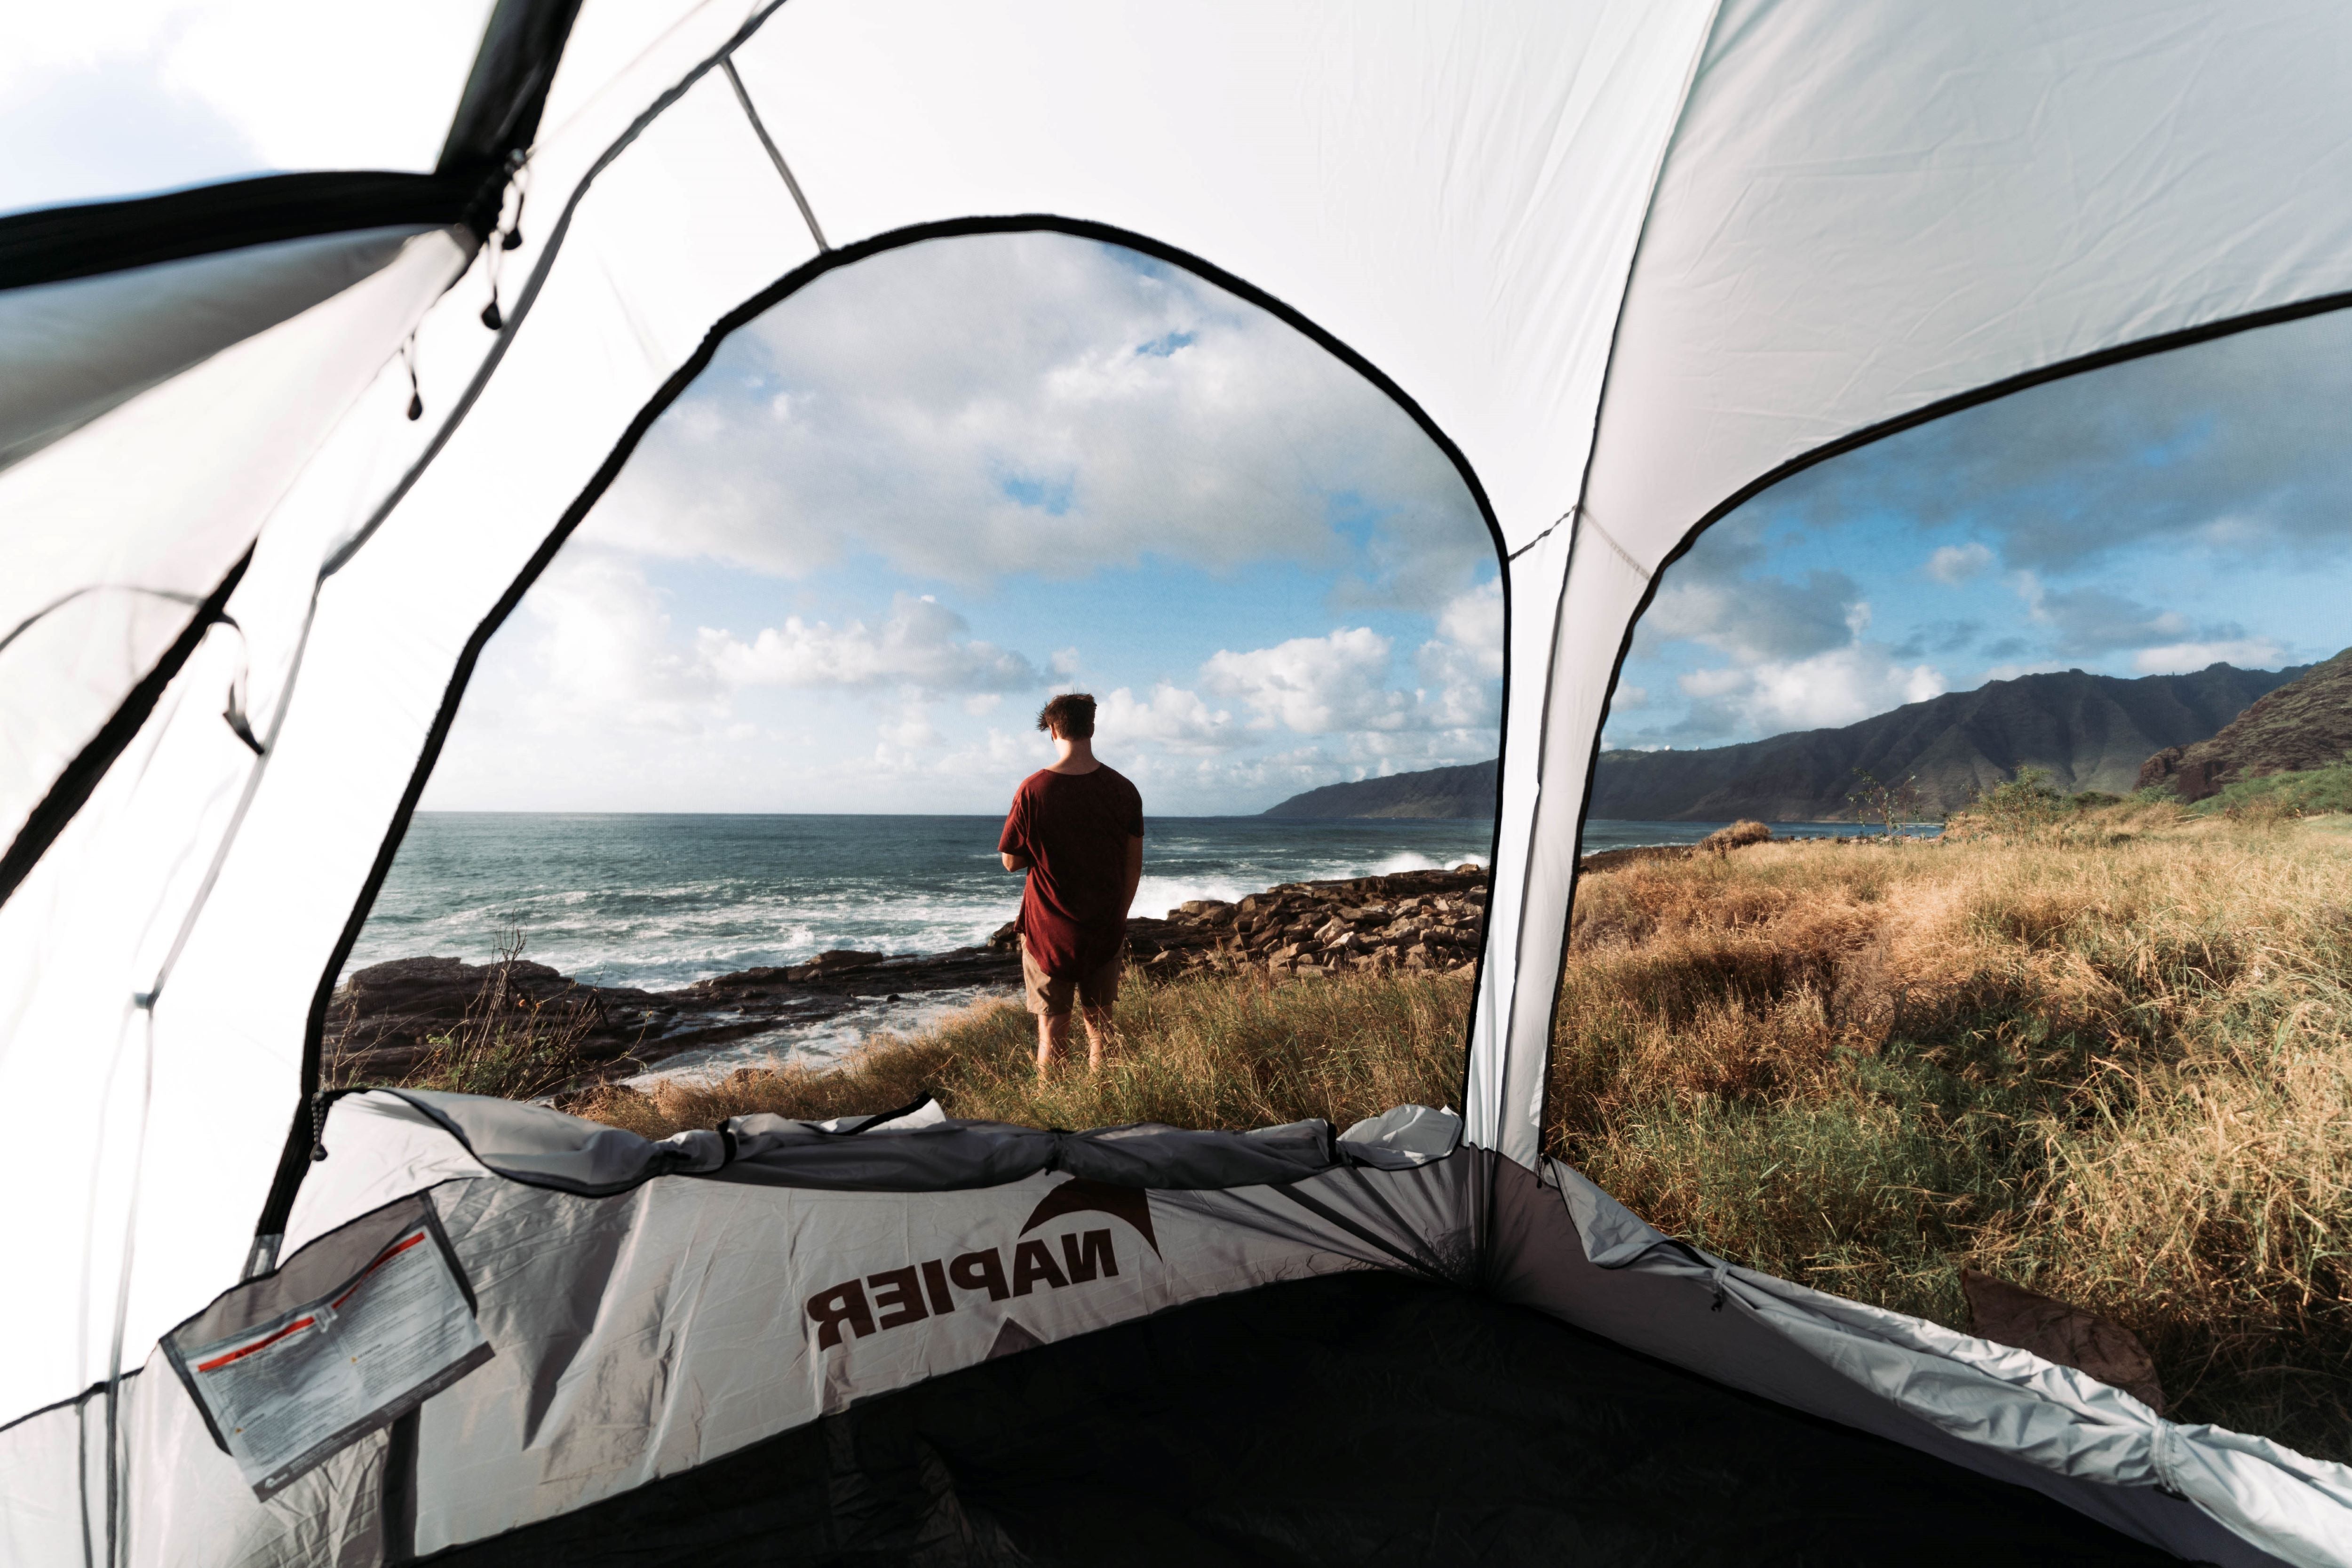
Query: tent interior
(279, 456)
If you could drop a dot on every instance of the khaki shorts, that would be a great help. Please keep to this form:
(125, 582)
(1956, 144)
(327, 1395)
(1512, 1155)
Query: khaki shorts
(1052, 997)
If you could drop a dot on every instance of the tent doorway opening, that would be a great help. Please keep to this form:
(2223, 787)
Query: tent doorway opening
(722, 803)
(1954, 921)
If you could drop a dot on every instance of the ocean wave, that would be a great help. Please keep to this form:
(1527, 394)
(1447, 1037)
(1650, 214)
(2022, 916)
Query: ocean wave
(612, 904)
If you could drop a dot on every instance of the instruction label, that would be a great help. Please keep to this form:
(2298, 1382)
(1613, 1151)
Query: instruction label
(285, 1394)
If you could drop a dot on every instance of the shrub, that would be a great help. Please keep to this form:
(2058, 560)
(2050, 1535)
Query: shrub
(506, 1045)
(1738, 835)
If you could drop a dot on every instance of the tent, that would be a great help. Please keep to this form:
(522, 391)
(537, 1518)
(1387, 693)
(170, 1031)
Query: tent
(280, 455)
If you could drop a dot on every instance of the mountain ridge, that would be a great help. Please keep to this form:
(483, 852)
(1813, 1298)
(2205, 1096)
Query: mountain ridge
(2305, 724)
(2089, 732)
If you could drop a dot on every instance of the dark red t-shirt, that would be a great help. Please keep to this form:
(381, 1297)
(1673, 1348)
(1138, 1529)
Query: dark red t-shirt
(1073, 828)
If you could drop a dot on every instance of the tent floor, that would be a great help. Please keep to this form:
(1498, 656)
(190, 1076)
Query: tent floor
(1360, 1419)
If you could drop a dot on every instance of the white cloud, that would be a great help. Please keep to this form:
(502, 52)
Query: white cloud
(1170, 716)
(923, 644)
(1314, 686)
(137, 95)
(605, 652)
(912, 730)
(1838, 688)
(1473, 621)
(1462, 666)
(1953, 564)
(2179, 659)
(1754, 618)
(1031, 404)
(2093, 621)
(1825, 690)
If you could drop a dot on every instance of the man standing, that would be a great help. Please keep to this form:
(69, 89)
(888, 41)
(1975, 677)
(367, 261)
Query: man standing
(1077, 828)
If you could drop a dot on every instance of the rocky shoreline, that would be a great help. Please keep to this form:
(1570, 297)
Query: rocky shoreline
(382, 1020)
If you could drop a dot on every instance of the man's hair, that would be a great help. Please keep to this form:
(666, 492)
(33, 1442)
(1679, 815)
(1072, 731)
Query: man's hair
(1070, 715)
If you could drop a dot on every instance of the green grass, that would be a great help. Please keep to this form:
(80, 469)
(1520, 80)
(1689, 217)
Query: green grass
(2307, 793)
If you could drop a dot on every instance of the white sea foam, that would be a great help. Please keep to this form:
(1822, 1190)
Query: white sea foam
(661, 902)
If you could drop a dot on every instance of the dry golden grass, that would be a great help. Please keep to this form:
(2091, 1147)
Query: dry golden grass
(2110, 1059)
(2108, 1055)
(1195, 1052)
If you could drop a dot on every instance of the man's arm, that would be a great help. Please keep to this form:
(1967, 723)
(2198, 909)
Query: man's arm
(1134, 873)
(1015, 862)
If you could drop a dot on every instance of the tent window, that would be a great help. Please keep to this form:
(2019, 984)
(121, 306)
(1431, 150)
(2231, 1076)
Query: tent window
(726, 789)
(1954, 913)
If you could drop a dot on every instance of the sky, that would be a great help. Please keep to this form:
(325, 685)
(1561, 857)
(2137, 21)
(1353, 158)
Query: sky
(2150, 518)
(135, 96)
(912, 502)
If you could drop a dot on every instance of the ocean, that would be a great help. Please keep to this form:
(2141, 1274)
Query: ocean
(660, 901)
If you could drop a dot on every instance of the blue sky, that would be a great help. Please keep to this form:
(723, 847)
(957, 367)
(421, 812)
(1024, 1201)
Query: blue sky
(2147, 518)
(901, 510)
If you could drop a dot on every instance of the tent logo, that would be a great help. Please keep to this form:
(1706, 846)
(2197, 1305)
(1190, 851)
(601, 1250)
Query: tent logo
(896, 1296)
(1079, 1195)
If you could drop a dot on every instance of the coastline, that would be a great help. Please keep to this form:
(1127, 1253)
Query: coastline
(383, 1018)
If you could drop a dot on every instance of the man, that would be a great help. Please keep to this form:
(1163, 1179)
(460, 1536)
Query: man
(1077, 828)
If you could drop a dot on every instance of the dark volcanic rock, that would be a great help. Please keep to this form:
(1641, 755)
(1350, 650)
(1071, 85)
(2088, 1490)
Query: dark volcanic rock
(384, 1016)
(1410, 920)
(2304, 725)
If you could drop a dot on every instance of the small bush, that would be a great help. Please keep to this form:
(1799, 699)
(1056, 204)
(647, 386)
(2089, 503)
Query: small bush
(1738, 835)
(2021, 808)
(506, 1045)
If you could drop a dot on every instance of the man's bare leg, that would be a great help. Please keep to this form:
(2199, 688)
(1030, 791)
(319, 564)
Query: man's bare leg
(1098, 1031)
(1053, 1034)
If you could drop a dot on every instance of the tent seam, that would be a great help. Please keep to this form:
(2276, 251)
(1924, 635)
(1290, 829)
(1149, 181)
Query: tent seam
(776, 153)
(1552, 661)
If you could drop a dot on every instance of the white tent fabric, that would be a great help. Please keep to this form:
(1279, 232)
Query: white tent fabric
(198, 388)
(1629, 259)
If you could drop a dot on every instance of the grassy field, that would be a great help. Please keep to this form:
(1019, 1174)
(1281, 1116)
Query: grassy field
(2104, 1052)
(2109, 1059)
(1194, 1053)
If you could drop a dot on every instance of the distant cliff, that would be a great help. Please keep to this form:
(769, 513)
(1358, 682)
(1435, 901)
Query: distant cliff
(2304, 725)
(2091, 731)
(1443, 793)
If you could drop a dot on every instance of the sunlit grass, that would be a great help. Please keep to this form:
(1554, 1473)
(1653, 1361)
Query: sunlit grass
(2108, 1055)
(2112, 1062)
(1194, 1053)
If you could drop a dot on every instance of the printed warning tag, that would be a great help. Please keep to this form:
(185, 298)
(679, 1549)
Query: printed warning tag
(287, 1385)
